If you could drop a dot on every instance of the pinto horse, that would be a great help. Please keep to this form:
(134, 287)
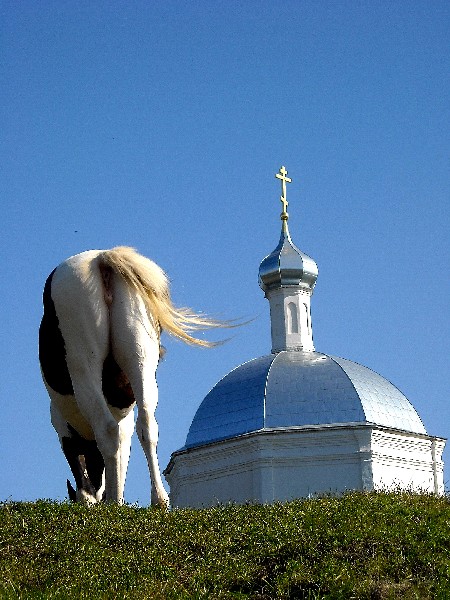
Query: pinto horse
(99, 347)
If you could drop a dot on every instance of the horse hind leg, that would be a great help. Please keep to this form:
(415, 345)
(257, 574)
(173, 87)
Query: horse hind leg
(107, 432)
(141, 372)
(135, 347)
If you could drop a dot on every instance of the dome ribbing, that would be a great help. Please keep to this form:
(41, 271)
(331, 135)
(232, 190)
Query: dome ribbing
(299, 389)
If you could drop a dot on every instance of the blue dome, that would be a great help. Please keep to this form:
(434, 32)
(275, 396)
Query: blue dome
(297, 389)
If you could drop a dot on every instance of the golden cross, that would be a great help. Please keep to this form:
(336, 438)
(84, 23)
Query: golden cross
(282, 175)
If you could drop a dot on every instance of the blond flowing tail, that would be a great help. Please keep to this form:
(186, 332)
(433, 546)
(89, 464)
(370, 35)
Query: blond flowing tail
(151, 283)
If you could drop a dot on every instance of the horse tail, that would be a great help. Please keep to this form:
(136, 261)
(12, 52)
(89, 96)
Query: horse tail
(148, 279)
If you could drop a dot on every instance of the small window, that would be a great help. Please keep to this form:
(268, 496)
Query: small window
(308, 320)
(292, 318)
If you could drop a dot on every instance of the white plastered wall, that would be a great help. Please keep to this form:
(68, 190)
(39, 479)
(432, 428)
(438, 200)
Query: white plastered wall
(290, 317)
(283, 464)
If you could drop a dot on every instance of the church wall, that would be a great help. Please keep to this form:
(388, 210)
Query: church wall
(407, 461)
(219, 473)
(304, 462)
(284, 464)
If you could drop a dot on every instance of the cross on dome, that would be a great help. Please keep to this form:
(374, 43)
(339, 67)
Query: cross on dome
(282, 175)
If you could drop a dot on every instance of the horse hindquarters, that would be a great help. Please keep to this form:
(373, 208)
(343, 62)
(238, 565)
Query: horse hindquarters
(84, 321)
(135, 346)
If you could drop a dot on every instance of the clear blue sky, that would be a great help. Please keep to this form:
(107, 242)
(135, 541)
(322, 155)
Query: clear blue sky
(161, 124)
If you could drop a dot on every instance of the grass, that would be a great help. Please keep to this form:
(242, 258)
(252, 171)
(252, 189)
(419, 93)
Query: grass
(361, 546)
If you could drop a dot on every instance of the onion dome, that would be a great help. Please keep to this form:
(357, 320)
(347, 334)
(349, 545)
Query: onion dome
(287, 265)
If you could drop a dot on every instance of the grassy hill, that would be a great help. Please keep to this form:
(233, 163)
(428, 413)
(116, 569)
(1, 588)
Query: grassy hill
(372, 546)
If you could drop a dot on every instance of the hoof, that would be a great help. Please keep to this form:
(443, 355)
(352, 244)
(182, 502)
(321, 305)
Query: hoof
(72, 493)
(86, 498)
(161, 499)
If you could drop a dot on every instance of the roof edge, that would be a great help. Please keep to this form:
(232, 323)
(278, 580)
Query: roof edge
(300, 428)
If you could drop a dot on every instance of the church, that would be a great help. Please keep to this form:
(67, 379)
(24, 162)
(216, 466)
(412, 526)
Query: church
(296, 422)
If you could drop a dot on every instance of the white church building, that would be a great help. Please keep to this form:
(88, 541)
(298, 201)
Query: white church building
(297, 422)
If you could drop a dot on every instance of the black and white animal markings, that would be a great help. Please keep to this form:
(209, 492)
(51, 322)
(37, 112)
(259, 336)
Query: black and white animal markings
(99, 348)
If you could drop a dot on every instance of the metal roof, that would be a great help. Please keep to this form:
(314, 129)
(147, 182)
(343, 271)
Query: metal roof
(292, 389)
(287, 265)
